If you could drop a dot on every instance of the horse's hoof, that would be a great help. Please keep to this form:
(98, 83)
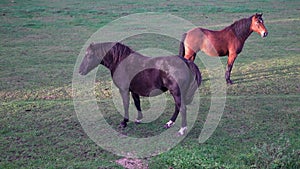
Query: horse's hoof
(137, 121)
(166, 126)
(123, 125)
(182, 131)
(179, 134)
(169, 124)
(229, 82)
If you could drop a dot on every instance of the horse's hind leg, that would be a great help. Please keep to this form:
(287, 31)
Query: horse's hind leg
(183, 122)
(179, 107)
(137, 103)
(190, 54)
(177, 98)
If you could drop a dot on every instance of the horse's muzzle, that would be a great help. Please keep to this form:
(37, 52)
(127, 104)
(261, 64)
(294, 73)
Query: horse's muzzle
(264, 34)
(81, 72)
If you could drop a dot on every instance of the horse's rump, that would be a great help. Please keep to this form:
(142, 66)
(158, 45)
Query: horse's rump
(195, 83)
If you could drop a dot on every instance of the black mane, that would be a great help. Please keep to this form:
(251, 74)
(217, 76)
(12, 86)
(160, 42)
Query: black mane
(115, 55)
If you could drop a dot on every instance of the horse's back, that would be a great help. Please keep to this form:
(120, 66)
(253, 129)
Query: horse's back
(211, 42)
(150, 76)
(173, 66)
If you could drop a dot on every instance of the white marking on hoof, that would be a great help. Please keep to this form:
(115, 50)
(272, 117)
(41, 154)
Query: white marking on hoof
(182, 131)
(169, 124)
(138, 121)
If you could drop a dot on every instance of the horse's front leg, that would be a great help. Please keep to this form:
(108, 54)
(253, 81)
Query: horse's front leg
(230, 61)
(137, 103)
(125, 99)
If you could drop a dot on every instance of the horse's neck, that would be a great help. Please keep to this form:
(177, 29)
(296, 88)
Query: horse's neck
(243, 37)
(112, 62)
(242, 29)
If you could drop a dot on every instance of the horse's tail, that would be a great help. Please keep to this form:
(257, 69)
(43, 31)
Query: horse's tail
(181, 46)
(194, 83)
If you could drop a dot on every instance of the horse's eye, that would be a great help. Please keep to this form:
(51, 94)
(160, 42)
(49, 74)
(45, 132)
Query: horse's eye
(259, 21)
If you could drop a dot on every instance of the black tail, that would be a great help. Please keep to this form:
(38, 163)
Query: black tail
(181, 46)
(194, 68)
(194, 83)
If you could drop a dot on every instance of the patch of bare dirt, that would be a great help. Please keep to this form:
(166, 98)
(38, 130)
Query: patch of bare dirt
(132, 163)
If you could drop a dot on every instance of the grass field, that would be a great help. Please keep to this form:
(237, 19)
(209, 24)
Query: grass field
(41, 40)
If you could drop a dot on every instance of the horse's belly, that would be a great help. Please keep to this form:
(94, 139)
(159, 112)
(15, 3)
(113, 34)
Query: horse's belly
(147, 83)
(210, 51)
(146, 91)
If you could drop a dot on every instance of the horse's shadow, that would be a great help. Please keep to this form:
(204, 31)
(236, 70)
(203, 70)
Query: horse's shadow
(263, 74)
(256, 75)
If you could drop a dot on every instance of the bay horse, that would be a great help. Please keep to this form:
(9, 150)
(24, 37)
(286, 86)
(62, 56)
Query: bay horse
(145, 76)
(228, 41)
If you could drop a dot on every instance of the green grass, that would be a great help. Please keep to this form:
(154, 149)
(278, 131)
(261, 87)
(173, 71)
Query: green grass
(41, 40)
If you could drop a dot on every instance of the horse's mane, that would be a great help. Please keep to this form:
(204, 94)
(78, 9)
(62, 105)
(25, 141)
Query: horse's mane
(120, 51)
(115, 55)
(241, 28)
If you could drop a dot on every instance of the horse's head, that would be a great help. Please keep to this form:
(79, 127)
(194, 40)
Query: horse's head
(109, 54)
(90, 60)
(258, 26)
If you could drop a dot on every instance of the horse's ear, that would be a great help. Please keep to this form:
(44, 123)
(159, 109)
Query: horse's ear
(257, 15)
(92, 45)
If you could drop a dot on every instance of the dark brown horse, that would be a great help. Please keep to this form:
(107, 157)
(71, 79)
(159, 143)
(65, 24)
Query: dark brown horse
(228, 41)
(145, 76)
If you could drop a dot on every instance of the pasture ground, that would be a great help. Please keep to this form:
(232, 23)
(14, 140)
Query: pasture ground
(41, 40)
